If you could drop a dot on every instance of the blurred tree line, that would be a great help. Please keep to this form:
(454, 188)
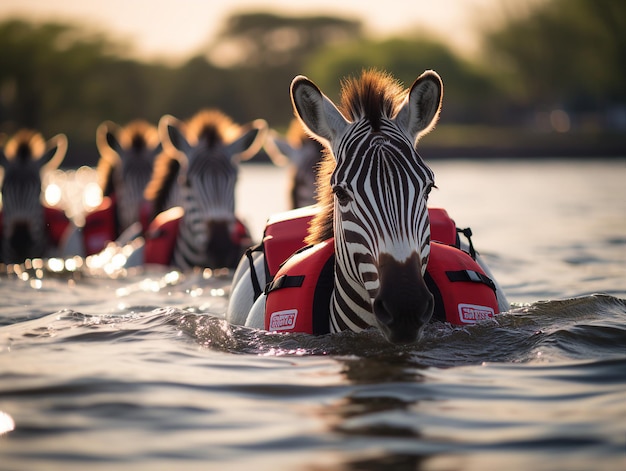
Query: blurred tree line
(557, 73)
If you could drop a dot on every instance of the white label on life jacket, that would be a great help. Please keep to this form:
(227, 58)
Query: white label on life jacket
(472, 313)
(283, 320)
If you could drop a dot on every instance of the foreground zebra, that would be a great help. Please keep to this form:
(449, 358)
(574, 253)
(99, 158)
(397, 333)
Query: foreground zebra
(200, 169)
(302, 155)
(30, 229)
(373, 190)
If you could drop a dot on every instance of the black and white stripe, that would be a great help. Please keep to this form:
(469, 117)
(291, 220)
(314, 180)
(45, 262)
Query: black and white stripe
(208, 198)
(377, 188)
(381, 209)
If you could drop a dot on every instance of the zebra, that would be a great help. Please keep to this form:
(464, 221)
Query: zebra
(373, 191)
(303, 155)
(25, 157)
(125, 166)
(202, 163)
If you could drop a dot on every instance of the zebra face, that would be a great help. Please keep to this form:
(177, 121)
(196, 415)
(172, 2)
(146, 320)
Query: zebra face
(377, 187)
(381, 227)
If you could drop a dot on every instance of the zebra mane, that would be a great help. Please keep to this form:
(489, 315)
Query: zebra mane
(164, 175)
(24, 145)
(138, 135)
(135, 136)
(375, 95)
(211, 127)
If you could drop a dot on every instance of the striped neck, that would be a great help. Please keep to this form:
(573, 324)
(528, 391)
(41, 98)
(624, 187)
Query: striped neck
(350, 305)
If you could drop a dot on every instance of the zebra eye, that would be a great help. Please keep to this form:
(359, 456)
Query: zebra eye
(343, 196)
(429, 188)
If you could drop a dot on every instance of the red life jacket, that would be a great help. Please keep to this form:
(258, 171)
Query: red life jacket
(160, 238)
(101, 224)
(56, 224)
(463, 292)
(285, 233)
(298, 297)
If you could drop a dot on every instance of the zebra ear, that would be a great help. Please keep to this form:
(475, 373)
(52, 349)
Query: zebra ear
(420, 110)
(250, 142)
(106, 140)
(172, 136)
(56, 148)
(318, 114)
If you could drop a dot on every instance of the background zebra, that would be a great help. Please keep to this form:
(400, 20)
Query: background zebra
(127, 156)
(303, 155)
(25, 157)
(202, 163)
(373, 189)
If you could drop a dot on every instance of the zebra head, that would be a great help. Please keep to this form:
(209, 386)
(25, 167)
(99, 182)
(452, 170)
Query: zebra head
(24, 158)
(127, 156)
(209, 148)
(303, 155)
(373, 191)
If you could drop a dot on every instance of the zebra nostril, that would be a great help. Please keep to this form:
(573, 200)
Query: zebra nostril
(381, 312)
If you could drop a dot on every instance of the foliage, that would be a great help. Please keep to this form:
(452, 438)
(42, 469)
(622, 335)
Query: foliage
(468, 93)
(56, 78)
(568, 52)
(254, 40)
(264, 51)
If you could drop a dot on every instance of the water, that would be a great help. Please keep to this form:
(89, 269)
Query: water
(141, 372)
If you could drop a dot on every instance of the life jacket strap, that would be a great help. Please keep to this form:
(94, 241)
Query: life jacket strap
(470, 275)
(284, 281)
(254, 279)
(467, 232)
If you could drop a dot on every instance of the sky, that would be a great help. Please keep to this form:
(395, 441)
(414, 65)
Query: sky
(173, 30)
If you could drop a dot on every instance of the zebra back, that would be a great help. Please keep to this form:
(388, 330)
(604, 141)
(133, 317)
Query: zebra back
(24, 158)
(125, 166)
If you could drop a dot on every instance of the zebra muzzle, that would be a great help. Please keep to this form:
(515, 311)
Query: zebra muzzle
(403, 305)
(221, 252)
